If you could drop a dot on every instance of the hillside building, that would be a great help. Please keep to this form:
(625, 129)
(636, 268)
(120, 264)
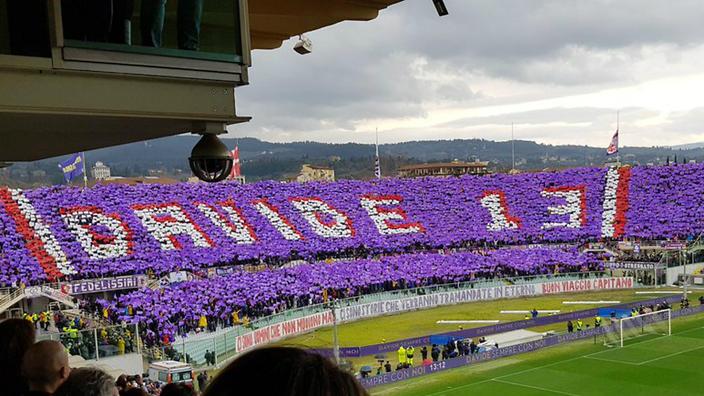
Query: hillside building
(138, 180)
(100, 171)
(454, 168)
(315, 173)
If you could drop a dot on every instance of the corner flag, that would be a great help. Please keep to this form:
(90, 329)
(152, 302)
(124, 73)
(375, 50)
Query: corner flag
(613, 147)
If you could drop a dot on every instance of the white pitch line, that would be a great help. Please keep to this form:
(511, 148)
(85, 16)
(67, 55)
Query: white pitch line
(662, 292)
(525, 312)
(547, 365)
(465, 321)
(670, 355)
(534, 387)
(589, 302)
(504, 376)
(611, 360)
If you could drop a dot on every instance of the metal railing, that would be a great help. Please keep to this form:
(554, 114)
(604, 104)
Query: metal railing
(7, 290)
(223, 341)
(8, 300)
(97, 343)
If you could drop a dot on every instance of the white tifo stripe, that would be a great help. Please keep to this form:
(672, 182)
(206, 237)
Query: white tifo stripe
(51, 245)
(609, 213)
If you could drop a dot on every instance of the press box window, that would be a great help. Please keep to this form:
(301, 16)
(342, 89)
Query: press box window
(196, 29)
(24, 28)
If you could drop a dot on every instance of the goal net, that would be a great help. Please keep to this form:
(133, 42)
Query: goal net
(656, 323)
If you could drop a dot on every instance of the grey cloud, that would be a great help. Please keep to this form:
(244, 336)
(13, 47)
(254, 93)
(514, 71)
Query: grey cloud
(578, 115)
(686, 126)
(366, 70)
(520, 29)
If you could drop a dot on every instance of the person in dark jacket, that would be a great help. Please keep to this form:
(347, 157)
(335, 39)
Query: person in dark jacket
(202, 381)
(435, 353)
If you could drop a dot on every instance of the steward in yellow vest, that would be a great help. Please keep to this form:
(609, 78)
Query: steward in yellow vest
(402, 355)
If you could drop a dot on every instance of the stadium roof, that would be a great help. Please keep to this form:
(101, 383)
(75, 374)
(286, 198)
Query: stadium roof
(87, 99)
(274, 21)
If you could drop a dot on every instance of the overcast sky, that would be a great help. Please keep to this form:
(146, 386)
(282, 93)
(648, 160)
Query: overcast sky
(558, 69)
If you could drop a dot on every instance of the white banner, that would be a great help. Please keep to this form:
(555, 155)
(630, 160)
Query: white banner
(370, 310)
(282, 330)
(582, 285)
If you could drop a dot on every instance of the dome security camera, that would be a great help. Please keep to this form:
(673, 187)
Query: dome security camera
(304, 45)
(210, 159)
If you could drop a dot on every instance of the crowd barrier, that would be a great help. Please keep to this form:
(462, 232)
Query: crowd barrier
(228, 342)
(98, 343)
(448, 364)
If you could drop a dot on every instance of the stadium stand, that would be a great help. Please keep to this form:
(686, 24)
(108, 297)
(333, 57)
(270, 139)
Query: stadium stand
(69, 233)
(227, 300)
(325, 241)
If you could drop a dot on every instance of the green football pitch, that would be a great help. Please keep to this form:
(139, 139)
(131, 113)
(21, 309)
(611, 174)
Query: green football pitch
(650, 365)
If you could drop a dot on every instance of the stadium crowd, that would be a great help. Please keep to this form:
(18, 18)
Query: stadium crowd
(68, 233)
(236, 299)
(400, 234)
(43, 369)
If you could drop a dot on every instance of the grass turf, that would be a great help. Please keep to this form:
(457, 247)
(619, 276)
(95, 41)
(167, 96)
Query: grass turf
(423, 322)
(659, 365)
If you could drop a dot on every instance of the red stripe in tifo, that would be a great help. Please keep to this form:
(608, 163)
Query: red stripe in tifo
(622, 201)
(32, 241)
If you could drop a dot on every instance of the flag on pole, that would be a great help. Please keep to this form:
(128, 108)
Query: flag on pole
(377, 164)
(377, 168)
(613, 147)
(236, 171)
(73, 166)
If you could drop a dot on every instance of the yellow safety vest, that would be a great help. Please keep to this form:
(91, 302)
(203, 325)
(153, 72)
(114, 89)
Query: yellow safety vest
(402, 355)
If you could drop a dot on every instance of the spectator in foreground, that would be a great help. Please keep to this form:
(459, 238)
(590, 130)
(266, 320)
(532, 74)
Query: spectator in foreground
(45, 367)
(135, 392)
(177, 390)
(285, 371)
(139, 383)
(88, 381)
(16, 336)
(121, 383)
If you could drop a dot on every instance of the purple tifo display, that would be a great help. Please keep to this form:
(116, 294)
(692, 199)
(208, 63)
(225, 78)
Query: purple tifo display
(63, 232)
(177, 309)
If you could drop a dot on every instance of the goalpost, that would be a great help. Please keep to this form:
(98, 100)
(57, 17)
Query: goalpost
(653, 323)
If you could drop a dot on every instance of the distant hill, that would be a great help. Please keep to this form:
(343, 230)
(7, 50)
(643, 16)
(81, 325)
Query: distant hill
(264, 160)
(689, 146)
